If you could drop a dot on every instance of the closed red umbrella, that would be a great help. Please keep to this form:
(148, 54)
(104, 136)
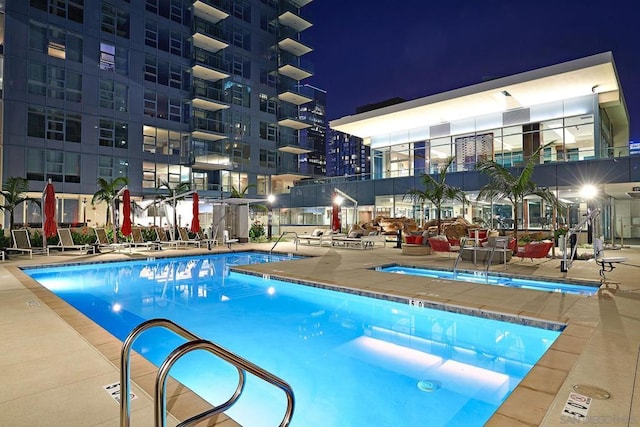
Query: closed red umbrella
(195, 222)
(335, 218)
(50, 227)
(126, 213)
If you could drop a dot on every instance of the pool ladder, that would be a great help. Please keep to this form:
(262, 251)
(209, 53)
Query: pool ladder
(194, 343)
(500, 243)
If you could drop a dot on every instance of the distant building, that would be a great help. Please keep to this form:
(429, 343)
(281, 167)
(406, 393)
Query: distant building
(314, 138)
(347, 155)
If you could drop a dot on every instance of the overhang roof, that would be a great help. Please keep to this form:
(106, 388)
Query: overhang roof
(593, 74)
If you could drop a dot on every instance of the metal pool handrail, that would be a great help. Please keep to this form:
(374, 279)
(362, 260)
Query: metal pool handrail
(194, 343)
(281, 236)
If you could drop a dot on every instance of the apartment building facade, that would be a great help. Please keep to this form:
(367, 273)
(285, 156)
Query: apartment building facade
(205, 91)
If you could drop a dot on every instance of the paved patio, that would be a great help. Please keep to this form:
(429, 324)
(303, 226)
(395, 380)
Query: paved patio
(56, 361)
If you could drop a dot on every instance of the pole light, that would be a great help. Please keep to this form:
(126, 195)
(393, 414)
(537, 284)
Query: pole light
(84, 211)
(270, 199)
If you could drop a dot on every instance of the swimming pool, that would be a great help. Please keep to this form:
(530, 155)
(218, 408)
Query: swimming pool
(585, 288)
(351, 360)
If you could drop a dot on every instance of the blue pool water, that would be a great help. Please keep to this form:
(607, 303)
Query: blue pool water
(513, 282)
(351, 360)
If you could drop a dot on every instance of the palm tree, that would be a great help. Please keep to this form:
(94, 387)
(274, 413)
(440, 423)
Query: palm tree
(174, 190)
(13, 191)
(503, 185)
(235, 194)
(437, 191)
(107, 193)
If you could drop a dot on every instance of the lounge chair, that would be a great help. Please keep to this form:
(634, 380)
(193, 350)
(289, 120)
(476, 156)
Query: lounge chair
(442, 244)
(102, 240)
(22, 243)
(226, 240)
(137, 240)
(204, 239)
(66, 242)
(184, 236)
(534, 250)
(162, 238)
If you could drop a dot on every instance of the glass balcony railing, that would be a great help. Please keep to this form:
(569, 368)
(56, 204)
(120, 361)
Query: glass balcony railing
(209, 125)
(210, 30)
(208, 59)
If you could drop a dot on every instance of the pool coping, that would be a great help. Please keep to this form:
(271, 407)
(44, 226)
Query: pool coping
(533, 388)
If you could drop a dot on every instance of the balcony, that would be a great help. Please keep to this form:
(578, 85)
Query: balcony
(289, 42)
(211, 10)
(294, 46)
(208, 129)
(289, 116)
(208, 66)
(293, 67)
(206, 97)
(298, 3)
(295, 94)
(293, 20)
(208, 36)
(290, 143)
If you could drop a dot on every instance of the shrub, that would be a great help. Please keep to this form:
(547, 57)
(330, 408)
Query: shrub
(256, 231)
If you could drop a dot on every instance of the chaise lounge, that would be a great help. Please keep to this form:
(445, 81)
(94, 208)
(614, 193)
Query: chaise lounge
(442, 244)
(534, 250)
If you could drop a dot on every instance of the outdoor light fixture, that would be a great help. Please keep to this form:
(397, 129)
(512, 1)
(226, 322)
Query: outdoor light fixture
(588, 191)
(339, 199)
(270, 199)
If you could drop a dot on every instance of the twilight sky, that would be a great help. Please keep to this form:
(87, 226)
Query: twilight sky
(367, 51)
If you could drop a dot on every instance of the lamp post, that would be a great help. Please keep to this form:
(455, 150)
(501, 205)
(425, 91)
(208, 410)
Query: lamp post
(270, 199)
(84, 211)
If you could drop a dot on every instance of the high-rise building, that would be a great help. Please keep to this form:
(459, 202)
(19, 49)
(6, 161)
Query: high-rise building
(204, 91)
(315, 137)
(347, 155)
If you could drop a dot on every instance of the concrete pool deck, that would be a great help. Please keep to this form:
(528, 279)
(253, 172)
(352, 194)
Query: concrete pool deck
(55, 361)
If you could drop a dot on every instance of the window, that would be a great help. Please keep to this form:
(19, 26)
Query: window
(175, 76)
(107, 57)
(148, 175)
(68, 9)
(113, 95)
(267, 105)
(239, 39)
(113, 133)
(176, 43)
(150, 69)
(111, 167)
(151, 34)
(115, 21)
(240, 94)
(37, 79)
(55, 42)
(57, 165)
(268, 131)
(175, 109)
(35, 164)
(267, 158)
(150, 103)
(53, 124)
(149, 139)
(267, 78)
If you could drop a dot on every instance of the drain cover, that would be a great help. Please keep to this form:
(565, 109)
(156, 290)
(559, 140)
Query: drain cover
(591, 391)
(428, 385)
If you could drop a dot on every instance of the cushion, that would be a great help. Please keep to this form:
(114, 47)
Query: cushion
(317, 232)
(354, 235)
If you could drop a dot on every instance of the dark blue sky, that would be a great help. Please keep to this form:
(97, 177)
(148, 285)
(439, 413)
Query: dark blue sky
(366, 51)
